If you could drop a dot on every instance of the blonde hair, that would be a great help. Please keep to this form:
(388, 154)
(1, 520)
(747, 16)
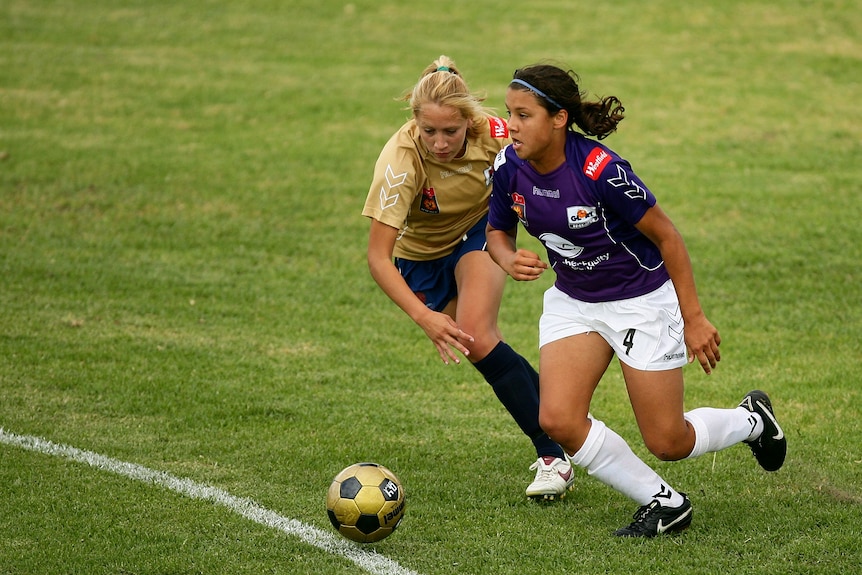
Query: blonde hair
(441, 83)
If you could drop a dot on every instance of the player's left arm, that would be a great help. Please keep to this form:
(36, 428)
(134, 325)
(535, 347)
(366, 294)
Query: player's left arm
(521, 264)
(701, 336)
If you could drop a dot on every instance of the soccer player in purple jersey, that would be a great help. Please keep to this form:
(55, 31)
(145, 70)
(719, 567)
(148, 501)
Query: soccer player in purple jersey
(428, 206)
(624, 286)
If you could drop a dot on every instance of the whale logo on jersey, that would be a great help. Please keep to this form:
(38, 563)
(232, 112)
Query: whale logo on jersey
(560, 245)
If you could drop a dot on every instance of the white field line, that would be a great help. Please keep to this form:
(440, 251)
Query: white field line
(370, 561)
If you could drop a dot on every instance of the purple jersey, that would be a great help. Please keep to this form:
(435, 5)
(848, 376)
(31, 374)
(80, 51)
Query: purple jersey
(584, 213)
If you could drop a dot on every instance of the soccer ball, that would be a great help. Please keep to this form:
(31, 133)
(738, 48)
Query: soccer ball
(365, 502)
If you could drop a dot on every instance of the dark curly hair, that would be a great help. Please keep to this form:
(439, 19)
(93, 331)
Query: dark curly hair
(557, 89)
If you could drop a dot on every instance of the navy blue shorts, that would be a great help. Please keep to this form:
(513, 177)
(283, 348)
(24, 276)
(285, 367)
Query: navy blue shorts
(433, 281)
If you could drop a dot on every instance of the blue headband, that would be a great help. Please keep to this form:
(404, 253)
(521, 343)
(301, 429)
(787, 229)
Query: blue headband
(443, 69)
(532, 88)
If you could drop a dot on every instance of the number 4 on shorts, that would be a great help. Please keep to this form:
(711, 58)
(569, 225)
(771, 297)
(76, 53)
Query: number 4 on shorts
(629, 340)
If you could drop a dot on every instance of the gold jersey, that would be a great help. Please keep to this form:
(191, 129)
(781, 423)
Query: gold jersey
(433, 204)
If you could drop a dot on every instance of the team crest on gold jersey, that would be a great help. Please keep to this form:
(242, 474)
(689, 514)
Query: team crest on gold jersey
(429, 202)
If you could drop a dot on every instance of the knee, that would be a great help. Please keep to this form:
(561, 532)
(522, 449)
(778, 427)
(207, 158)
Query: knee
(484, 341)
(552, 425)
(479, 348)
(669, 447)
(561, 427)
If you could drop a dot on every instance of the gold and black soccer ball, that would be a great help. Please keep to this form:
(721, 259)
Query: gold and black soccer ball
(365, 502)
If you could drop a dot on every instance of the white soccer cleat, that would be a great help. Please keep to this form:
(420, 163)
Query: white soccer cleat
(554, 476)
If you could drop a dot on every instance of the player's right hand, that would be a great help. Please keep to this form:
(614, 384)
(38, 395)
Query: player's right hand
(446, 336)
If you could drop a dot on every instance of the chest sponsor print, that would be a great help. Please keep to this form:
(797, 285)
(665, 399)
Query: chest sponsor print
(581, 216)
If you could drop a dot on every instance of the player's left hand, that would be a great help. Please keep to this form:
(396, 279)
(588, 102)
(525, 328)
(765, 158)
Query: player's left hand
(702, 340)
(524, 265)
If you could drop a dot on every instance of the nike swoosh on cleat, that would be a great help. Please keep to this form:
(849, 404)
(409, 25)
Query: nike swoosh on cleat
(661, 527)
(768, 413)
(566, 476)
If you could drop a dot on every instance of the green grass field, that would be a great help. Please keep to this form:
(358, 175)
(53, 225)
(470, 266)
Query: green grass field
(184, 285)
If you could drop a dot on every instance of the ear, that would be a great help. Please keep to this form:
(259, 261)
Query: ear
(561, 119)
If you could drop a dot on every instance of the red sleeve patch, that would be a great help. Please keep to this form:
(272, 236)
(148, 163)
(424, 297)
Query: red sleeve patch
(595, 163)
(499, 128)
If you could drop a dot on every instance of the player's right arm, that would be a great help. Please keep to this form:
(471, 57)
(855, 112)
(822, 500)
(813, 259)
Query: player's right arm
(440, 328)
(501, 233)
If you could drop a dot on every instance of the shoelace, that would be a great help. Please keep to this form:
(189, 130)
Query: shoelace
(642, 512)
(546, 472)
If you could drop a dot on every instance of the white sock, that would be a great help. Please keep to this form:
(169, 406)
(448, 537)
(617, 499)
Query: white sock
(717, 429)
(608, 457)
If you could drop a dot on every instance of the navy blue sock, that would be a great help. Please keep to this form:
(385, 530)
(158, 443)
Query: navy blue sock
(516, 385)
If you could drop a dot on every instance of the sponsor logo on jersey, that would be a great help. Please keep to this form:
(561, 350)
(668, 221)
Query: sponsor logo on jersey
(499, 128)
(581, 216)
(587, 266)
(537, 191)
(596, 162)
(462, 170)
(519, 206)
(429, 201)
(560, 245)
(500, 159)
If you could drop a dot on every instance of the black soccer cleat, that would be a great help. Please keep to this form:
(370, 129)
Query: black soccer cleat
(770, 448)
(653, 519)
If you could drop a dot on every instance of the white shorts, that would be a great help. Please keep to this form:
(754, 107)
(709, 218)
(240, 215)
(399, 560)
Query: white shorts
(645, 332)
